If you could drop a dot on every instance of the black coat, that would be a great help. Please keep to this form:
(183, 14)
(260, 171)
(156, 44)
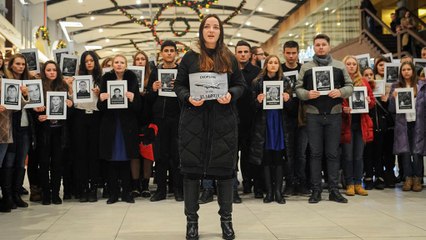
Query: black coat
(258, 132)
(128, 118)
(208, 135)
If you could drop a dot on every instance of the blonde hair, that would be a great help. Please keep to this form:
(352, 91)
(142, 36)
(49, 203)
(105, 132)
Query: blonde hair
(122, 56)
(357, 77)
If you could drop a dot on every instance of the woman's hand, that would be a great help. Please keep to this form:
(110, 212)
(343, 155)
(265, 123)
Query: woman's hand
(225, 99)
(384, 97)
(312, 94)
(42, 118)
(286, 96)
(260, 97)
(368, 99)
(69, 81)
(347, 110)
(130, 96)
(196, 103)
(335, 93)
(156, 85)
(39, 109)
(103, 96)
(24, 90)
(2, 108)
(96, 91)
(69, 103)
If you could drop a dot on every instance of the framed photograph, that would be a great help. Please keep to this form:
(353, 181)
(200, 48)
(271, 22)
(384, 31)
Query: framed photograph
(363, 61)
(69, 64)
(56, 107)
(82, 89)
(117, 94)
(419, 64)
(391, 72)
(58, 53)
(323, 79)
(358, 101)
(35, 93)
(396, 60)
(379, 89)
(305, 60)
(31, 56)
(208, 85)
(11, 94)
(167, 78)
(272, 91)
(405, 100)
(388, 57)
(292, 78)
(140, 73)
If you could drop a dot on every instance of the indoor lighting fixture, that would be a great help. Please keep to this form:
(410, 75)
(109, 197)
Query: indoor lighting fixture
(238, 34)
(92, 18)
(338, 24)
(101, 30)
(248, 23)
(138, 2)
(231, 43)
(306, 23)
(92, 47)
(80, 1)
(64, 25)
(23, 2)
(107, 40)
(260, 9)
(326, 9)
(115, 49)
(142, 17)
(290, 34)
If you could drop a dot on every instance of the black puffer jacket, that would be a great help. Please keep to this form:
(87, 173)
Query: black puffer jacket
(208, 134)
(258, 133)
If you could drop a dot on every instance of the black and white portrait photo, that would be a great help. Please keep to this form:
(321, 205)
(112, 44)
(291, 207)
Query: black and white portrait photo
(291, 78)
(419, 64)
(140, 73)
(117, 94)
(391, 72)
(69, 65)
(56, 105)
(58, 53)
(272, 91)
(11, 94)
(82, 86)
(363, 61)
(167, 79)
(31, 56)
(323, 79)
(35, 93)
(404, 100)
(358, 102)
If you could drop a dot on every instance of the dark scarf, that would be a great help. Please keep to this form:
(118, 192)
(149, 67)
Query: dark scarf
(322, 60)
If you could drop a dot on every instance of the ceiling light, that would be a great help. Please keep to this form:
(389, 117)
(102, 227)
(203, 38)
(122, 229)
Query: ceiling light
(297, 36)
(100, 30)
(290, 34)
(326, 9)
(238, 34)
(207, 10)
(231, 43)
(92, 18)
(80, 1)
(107, 40)
(312, 25)
(92, 47)
(260, 9)
(115, 49)
(306, 23)
(338, 24)
(142, 17)
(64, 25)
(333, 11)
(138, 2)
(23, 2)
(248, 23)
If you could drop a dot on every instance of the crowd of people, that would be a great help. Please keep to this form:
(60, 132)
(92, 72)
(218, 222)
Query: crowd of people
(195, 142)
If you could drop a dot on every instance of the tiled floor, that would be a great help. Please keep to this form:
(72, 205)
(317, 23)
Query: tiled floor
(388, 214)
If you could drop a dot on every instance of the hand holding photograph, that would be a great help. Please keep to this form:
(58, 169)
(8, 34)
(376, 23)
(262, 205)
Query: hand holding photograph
(404, 100)
(323, 80)
(358, 102)
(35, 93)
(82, 89)
(167, 78)
(273, 98)
(11, 94)
(31, 56)
(56, 105)
(117, 94)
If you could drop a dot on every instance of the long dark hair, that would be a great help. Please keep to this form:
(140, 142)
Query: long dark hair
(9, 71)
(147, 67)
(220, 61)
(97, 70)
(56, 85)
(401, 81)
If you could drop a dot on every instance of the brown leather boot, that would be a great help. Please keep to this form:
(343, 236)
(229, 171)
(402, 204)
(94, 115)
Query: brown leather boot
(408, 184)
(350, 190)
(360, 190)
(417, 184)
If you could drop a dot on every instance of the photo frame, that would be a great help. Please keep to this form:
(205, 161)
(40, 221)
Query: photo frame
(305, 60)
(57, 53)
(56, 107)
(396, 60)
(358, 100)
(363, 61)
(166, 77)
(31, 57)
(391, 72)
(388, 56)
(323, 80)
(273, 98)
(117, 94)
(404, 100)
(380, 88)
(292, 77)
(82, 89)
(140, 73)
(208, 85)
(420, 65)
(69, 64)
(35, 93)
(11, 94)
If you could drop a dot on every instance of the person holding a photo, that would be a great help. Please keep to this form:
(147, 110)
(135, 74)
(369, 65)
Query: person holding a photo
(208, 136)
(269, 138)
(118, 137)
(324, 117)
(357, 130)
(409, 142)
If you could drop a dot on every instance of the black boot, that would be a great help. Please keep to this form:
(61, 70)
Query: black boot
(6, 204)
(224, 199)
(93, 193)
(84, 196)
(268, 185)
(278, 185)
(190, 195)
(17, 185)
(136, 188)
(145, 188)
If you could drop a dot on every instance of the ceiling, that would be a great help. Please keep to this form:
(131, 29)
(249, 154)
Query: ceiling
(105, 26)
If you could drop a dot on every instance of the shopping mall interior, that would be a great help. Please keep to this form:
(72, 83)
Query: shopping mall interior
(111, 27)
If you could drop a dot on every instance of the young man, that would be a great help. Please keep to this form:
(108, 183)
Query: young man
(166, 112)
(296, 151)
(257, 55)
(324, 117)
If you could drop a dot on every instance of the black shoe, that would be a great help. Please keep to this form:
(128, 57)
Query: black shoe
(227, 230)
(93, 195)
(192, 231)
(206, 196)
(236, 198)
(128, 198)
(247, 185)
(56, 200)
(258, 194)
(337, 197)
(379, 184)
(178, 195)
(158, 196)
(269, 197)
(368, 184)
(146, 194)
(46, 198)
(23, 191)
(105, 192)
(289, 189)
(315, 197)
(18, 201)
(112, 200)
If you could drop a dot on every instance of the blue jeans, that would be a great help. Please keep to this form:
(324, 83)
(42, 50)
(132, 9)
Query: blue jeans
(324, 137)
(3, 149)
(16, 157)
(353, 163)
(412, 163)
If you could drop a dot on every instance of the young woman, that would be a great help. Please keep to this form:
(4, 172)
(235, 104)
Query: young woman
(357, 129)
(379, 68)
(409, 128)
(106, 63)
(208, 129)
(51, 136)
(269, 133)
(118, 138)
(85, 128)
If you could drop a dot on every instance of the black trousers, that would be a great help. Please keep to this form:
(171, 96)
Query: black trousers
(86, 144)
(33, 167)
(119, 170)
(374, 156)
(166, 154)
